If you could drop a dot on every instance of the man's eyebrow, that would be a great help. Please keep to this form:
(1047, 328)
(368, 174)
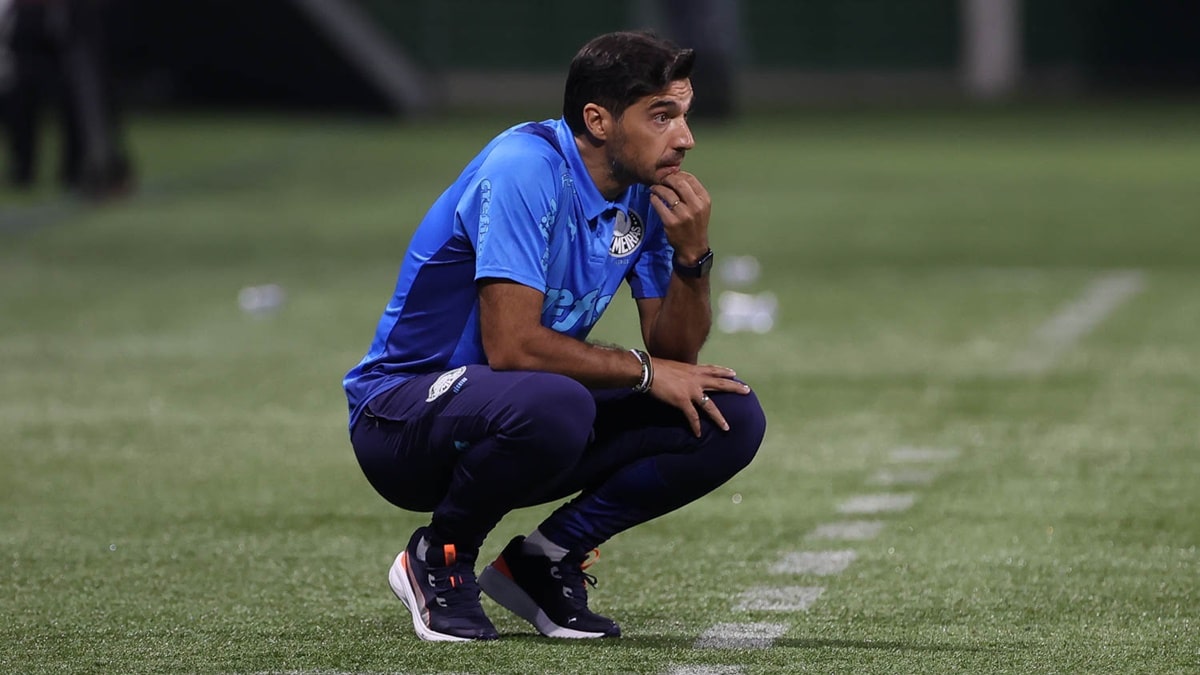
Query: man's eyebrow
(670, 104)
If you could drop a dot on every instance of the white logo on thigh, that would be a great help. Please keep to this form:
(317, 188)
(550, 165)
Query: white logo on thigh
(444, 382)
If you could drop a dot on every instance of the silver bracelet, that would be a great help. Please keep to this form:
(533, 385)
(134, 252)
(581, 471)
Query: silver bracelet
(647, 371)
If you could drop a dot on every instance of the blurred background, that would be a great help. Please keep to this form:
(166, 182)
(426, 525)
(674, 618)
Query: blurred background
(398, 55)
(394, 56)
(85, 63)
(406, 57)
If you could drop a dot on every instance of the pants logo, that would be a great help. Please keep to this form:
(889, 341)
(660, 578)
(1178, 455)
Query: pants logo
(444, 382)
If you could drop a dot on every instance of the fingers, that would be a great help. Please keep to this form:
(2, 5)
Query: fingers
(679, 189)
(727, 385)
(664, 193)
(664, 200)
(706, 406)
(716, 371)
(687, 186)
(703, 405)
(722, 379)
(693, 419)
(687, 387)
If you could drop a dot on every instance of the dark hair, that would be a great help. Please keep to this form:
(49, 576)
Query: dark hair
(616, 69)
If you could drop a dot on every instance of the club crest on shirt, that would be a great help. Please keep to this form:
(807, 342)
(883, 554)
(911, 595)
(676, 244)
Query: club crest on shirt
(627, 234)
(444, 382)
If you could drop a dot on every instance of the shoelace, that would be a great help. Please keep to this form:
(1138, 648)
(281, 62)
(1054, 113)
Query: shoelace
(574, 577)
(453, 587)
(589, 560)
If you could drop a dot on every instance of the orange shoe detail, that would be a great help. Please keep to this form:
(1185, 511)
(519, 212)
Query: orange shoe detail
(502, 567)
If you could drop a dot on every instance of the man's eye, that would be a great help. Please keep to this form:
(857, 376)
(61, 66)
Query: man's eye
(660, 117)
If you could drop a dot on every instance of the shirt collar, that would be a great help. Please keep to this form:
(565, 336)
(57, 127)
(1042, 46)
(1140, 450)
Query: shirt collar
(594, 203)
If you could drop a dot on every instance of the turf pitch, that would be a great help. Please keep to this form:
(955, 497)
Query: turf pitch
(177, 492)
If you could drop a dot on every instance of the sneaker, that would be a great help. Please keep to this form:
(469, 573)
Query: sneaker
(440, 591)
(550, 595)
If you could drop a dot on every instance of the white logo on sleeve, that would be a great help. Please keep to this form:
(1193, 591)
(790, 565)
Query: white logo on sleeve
(444, 382)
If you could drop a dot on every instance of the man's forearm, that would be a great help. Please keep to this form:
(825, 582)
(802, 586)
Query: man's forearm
(683, 321)
(592, 365)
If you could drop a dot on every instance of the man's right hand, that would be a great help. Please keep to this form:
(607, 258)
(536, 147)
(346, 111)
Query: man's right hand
(684, 206)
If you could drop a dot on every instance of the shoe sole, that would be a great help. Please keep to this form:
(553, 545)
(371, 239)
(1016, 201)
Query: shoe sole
(501, 588)
(400, 579)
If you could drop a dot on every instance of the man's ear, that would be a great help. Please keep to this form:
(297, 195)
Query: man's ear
(598, 121)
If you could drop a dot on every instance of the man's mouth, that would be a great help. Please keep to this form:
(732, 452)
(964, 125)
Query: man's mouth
(670, 167)
(674, 162)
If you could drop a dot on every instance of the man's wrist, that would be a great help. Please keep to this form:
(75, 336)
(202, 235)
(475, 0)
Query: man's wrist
(694, 268)
(691, 255)
(647, 376)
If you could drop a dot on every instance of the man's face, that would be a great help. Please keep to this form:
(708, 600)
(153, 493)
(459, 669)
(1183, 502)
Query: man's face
(651, 137)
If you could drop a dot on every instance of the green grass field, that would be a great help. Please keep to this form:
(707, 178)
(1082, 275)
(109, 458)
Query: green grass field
(178, 494)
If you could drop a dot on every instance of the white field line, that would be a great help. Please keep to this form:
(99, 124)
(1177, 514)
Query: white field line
(848, 530)
(878, 503)
(703, 670)
(819, 563)
(892, 477)
(741, 636)
(1076, 319)
(778, 598)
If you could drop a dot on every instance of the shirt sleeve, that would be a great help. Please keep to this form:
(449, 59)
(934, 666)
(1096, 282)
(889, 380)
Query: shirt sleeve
(651, 272)
(508, 211)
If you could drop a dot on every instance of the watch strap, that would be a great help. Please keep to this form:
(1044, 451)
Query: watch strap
(697, 271)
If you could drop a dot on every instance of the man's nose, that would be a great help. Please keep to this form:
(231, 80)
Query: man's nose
(685, 141)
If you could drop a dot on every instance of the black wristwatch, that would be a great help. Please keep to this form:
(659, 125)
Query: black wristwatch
(697, 271)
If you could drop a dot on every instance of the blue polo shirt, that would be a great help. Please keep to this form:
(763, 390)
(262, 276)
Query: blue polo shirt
(524, 209)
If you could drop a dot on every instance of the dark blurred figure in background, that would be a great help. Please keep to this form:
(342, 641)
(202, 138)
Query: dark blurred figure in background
(58, 51)
(710, 27)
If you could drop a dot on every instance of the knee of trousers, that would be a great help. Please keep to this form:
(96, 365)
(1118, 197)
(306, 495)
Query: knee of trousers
(747, 426)
(549, 419)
